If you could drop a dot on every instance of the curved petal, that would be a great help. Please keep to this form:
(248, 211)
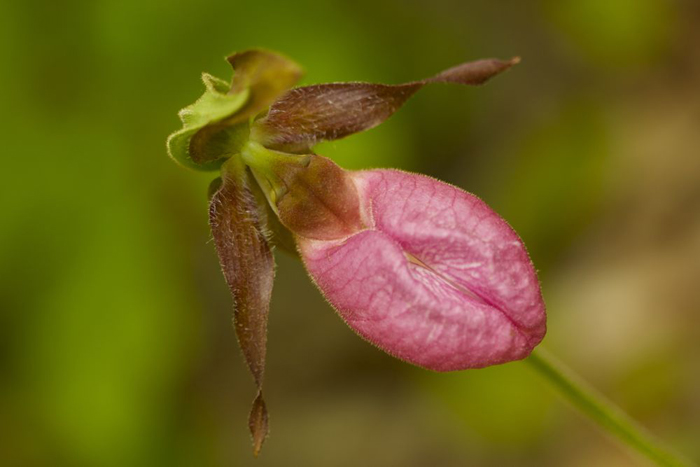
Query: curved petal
(322, 112)
(440, 280)
(238, 226)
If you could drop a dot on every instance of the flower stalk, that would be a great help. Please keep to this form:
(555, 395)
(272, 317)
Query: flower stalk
(602, 411)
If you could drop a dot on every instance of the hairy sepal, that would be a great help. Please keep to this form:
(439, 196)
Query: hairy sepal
(238, 226)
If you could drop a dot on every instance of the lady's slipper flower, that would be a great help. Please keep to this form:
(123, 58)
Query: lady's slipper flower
(424, 270)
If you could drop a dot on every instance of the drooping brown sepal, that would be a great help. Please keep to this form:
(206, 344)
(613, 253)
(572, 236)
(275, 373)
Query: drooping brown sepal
(238, 226)
(307, 115)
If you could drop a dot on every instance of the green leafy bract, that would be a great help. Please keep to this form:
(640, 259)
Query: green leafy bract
(217, 123)
(215, 105)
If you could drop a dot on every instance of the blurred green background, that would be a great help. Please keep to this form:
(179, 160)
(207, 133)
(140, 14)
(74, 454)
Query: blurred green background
(116, 347)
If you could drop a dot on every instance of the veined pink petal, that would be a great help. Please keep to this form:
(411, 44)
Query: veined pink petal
(439, 279)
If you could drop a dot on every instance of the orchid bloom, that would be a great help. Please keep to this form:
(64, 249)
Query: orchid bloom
(423, 270)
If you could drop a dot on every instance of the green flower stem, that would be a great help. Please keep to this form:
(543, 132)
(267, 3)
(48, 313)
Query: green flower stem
(606, 414)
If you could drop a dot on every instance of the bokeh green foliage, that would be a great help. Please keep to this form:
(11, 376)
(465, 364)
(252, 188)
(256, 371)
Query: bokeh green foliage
(115, 338)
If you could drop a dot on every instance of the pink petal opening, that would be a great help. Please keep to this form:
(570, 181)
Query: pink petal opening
(439, 280)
